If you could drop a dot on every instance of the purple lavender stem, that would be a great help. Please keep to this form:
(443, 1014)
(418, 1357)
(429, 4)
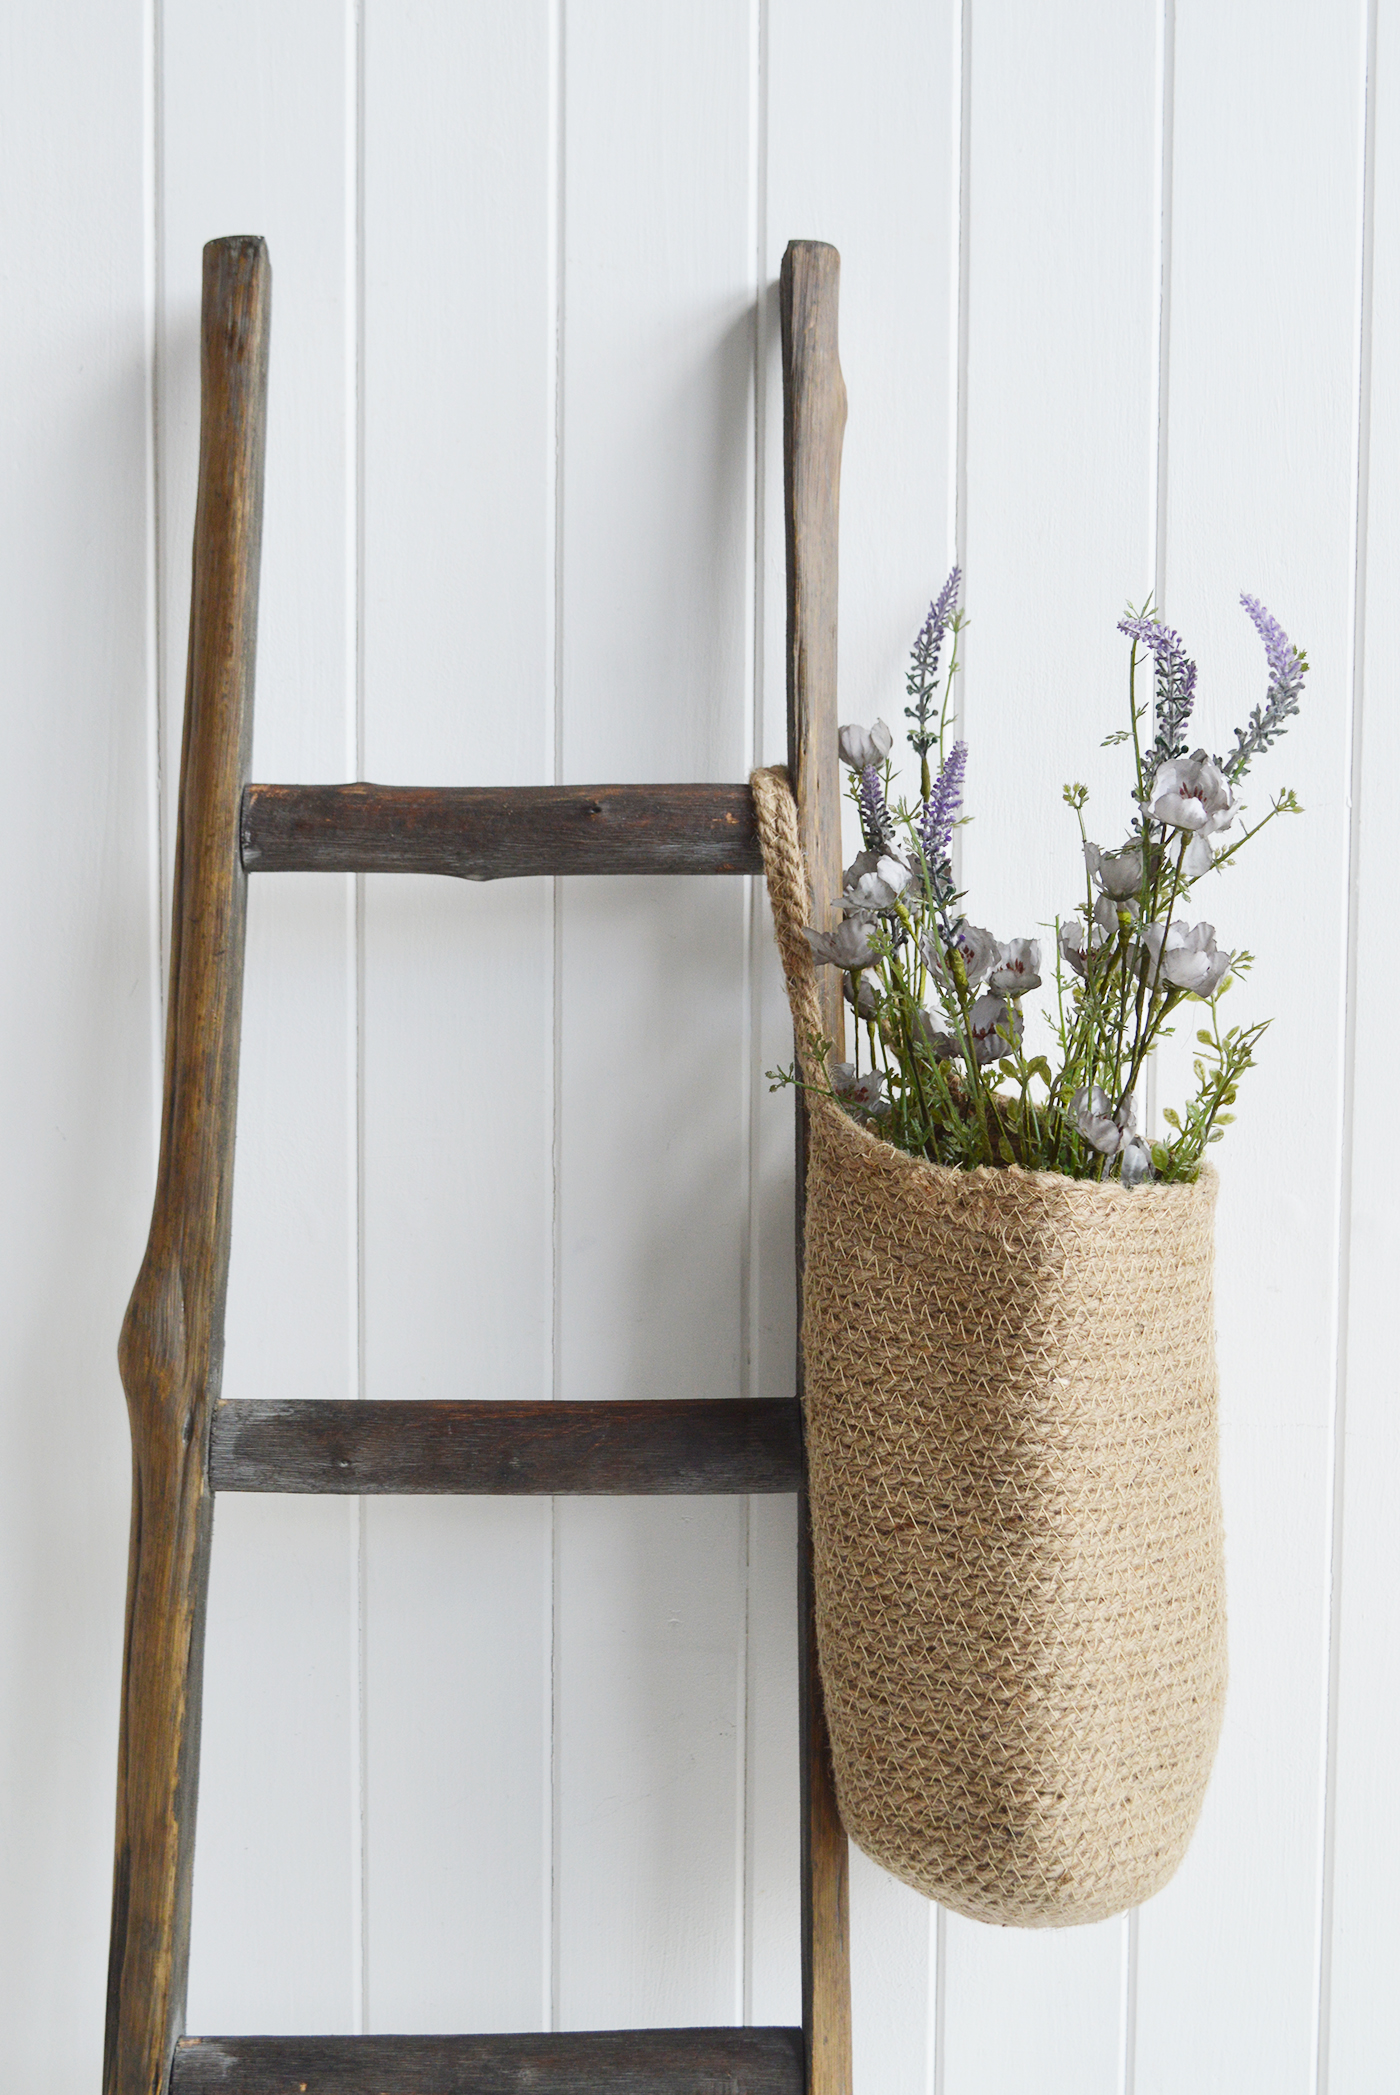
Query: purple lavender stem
(1175, 688)
(875, 821)
(1287, 669)
(943, 806)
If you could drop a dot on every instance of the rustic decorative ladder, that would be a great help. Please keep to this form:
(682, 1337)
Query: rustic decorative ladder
(188, 1444)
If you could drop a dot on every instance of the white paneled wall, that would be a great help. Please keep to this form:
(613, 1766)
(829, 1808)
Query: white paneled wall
(1120, 308)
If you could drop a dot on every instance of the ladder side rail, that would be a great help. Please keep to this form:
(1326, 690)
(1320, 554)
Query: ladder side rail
(814, 420)
(171, 1347)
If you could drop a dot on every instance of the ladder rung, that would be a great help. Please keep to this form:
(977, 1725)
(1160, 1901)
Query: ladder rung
(693, 1445)
(499, 832)
(598, 2062)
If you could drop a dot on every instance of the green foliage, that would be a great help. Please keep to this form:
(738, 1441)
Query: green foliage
(940, 1002)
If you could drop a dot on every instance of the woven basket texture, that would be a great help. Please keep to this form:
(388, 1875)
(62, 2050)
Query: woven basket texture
(1010, 1412)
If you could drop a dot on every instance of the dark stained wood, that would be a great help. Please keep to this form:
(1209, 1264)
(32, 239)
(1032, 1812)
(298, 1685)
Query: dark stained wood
(695, 1446)
(600, 2062)
(500, 832)
(172, 1340)
(814, 418)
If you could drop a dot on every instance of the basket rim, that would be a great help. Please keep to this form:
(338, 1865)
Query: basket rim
(993, 1178)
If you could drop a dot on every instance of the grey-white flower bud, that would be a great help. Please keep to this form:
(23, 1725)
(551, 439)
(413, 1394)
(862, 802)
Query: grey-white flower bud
(863, 1094)
(848, 946)
(861, 746)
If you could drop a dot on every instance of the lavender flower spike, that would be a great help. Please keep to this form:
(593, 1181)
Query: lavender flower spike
(1287, 668)
(1175, 692)
(943, 806)
(876, 825)
(922, 680)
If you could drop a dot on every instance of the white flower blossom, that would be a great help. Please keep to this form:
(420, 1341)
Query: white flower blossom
(1107, 913)
(977, 950)
(860, 747)
(1192, 793)
(1119, 873)
(848, 946)
(1102, 1128)
(864, 1093)
(992, 1019)
(1092, 1111)
(1016, 970)
(1135, 1161)
(1072, 944)
(874, 882)
(1185, 959)
(929, 1028)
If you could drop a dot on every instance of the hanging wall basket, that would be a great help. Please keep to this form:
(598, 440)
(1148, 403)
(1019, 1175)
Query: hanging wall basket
(1010, 1414)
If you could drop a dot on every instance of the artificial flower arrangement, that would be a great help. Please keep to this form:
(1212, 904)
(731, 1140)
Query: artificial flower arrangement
(946, 1073)
(1011, 1453)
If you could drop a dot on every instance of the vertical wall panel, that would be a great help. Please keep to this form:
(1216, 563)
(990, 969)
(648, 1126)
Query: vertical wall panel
(1260, 497)
(257, 138)
(1363, 2037)
(863, 152)
(1061, 226)
(78, 1032)
(655, 654)
(458, 1000)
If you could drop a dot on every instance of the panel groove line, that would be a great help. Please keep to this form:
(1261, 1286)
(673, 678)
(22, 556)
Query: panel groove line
(1352, 915)
(1261, 495)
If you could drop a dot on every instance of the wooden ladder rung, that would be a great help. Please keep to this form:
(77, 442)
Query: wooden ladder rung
(688, 1445)
(598, 2062)
(499, 832)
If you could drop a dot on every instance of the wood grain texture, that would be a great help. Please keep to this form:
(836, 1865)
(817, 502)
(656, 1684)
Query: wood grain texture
(500, 832)
(172, 1340)
(600, 2062)
(725, 1444)
(814, 421)
(814, 415)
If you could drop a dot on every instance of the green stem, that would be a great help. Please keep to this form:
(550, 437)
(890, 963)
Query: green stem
(1240, 841)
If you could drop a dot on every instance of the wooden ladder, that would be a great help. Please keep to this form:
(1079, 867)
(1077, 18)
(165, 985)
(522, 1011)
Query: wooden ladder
(188, 1444)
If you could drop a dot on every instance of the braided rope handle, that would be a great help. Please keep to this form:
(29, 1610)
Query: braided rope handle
(790, 894)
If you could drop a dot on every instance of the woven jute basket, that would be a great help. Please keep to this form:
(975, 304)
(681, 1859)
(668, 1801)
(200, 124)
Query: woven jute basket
(1010, 1414)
